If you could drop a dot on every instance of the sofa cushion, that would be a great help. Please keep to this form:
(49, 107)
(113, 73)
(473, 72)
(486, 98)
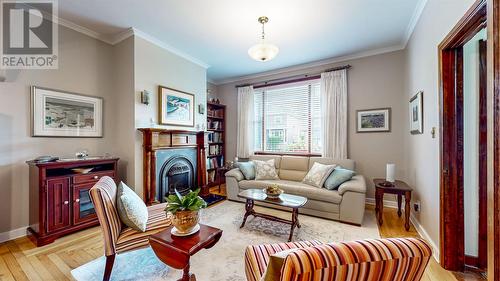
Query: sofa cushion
(346, 163)
(293, 168)
(247, 169)
(296, 188)
(338, 177)
(277, 159)
(317, 174)
(265, 170)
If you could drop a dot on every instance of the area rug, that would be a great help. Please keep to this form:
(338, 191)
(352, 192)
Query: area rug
(225, 261)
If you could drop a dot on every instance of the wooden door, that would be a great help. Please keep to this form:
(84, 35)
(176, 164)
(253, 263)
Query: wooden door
(83, 208)
(58, 199)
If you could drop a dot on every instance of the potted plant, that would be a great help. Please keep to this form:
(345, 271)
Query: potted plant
(184, 210)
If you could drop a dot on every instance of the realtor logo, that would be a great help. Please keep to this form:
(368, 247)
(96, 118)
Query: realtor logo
(29, 35)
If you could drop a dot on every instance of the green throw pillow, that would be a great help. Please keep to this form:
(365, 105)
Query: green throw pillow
(338, 177)
(131, 209)
(247, 169)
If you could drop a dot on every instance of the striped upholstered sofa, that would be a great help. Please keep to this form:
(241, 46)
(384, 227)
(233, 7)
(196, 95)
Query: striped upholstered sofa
(119, 238)
(396, 259)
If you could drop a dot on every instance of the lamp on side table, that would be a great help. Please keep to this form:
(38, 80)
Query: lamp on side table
(399, 188)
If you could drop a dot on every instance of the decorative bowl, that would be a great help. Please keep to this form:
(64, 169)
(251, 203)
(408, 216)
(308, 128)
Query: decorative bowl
(273, 192)
(82, 170)
(185, 221)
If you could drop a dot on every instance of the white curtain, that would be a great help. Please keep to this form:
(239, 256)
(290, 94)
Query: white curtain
(244, 146)
(334, 113)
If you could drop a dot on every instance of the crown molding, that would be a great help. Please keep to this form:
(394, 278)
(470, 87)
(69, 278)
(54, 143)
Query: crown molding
(417, 13)
(118, 37)
(169, 48)
(83, 30)
(310, 65)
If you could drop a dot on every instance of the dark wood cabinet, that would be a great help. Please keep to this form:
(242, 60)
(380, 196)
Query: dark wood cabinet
(59, 197)
(83, 210)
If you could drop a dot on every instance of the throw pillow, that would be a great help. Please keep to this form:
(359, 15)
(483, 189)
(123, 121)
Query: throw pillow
(276, 261)
(247, 169)
(338, 177)
(265, 170)
(318, 174)
(131, 209)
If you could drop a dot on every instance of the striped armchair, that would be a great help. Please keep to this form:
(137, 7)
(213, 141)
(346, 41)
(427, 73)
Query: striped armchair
(395, 259)
(118, 237)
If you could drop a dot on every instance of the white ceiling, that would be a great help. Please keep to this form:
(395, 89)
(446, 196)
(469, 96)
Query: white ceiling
(219, 32)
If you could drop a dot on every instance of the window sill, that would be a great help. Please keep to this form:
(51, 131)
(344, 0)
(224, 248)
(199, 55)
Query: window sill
(306, 154)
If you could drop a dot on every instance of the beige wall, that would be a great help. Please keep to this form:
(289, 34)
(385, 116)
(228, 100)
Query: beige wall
(123, 108)
(117, 73)
(422, 151)
(155, 66)
(373, 82)
(211, 91)
(84, 67)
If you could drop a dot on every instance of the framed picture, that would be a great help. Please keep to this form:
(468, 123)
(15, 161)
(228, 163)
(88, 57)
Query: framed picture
(56, 113)
(373, 120)
(416, 113)
(176, 107)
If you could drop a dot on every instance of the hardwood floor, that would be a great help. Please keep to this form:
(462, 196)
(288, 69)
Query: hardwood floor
(21, 260)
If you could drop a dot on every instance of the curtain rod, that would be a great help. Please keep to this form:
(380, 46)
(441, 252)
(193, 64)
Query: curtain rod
(292, 79)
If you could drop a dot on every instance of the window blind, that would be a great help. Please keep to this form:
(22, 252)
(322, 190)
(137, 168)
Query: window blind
(287, 118)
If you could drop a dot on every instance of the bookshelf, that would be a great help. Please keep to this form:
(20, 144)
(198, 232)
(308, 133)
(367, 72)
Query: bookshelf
(216, 124)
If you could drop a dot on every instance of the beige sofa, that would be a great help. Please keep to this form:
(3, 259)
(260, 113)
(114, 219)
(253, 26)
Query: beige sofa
(347, 204)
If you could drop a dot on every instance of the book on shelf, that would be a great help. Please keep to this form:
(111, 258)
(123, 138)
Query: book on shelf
(218, 113)
(214, 150)
(214, 162)
(215, 137)
(211, 176)
(214, 125)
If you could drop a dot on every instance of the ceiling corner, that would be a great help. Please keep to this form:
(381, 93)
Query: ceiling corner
(413, 21)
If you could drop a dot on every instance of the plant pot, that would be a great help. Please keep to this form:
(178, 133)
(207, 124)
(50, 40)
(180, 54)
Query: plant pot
(185, 221)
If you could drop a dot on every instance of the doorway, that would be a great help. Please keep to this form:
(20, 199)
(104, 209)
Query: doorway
(463, 102)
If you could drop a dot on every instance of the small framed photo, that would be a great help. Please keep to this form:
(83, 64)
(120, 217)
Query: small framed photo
(373, 120)
(56, 113)
(416, 114)
(176, 107)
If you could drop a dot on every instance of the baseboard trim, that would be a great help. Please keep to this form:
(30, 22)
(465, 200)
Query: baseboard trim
(421, 231)
(418, 227)
(387, 203)
(13, 234)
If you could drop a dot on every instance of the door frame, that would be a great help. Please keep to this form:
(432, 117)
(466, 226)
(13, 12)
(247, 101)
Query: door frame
(451, 125)
(493, 91)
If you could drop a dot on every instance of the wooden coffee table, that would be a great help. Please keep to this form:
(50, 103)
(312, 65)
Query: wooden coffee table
(176, 251)
(285, 200)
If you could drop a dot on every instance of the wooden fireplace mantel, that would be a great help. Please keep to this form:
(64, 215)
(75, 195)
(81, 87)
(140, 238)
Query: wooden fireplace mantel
(157, 139)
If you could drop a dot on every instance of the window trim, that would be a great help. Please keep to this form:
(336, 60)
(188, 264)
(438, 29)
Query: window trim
(306, 154)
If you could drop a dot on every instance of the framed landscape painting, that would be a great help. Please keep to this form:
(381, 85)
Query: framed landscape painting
(373, 120)
(176, 107)
(416, 114)
(56, 113)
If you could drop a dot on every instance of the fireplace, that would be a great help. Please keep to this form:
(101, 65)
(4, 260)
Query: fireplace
(176, 170)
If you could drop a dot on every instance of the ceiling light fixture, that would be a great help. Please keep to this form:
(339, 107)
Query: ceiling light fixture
(263, 51)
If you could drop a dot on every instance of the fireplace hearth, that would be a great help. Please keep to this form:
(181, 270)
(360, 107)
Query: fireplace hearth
(161, 146)
(176, 171)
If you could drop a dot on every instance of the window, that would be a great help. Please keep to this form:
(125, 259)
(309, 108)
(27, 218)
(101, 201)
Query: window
(288, 118)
